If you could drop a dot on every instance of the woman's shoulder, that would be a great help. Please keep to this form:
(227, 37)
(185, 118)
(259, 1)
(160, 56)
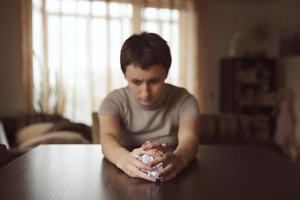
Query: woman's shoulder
(177, 91)
(114, 102)
(183, 101)
(180, 96)
(117, 94)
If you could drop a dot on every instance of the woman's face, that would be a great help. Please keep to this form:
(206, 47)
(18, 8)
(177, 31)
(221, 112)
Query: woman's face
(146, 85)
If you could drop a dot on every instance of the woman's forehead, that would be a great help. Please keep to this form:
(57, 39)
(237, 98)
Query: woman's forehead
(136, 72)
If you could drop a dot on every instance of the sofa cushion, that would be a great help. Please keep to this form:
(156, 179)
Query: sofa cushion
(228, 127)
(207, 128)
(58, 137)
(31, 131)
(225, 128)
(80, 128)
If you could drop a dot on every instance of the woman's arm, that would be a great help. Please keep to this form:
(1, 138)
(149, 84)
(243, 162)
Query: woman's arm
(116, 153)
(110, 139)
(188, 141)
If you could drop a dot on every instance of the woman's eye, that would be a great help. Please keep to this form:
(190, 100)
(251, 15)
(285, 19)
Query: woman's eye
(155, 81)
(136, 82)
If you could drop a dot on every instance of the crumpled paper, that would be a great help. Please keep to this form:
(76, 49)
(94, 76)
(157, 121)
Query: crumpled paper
(153, 172)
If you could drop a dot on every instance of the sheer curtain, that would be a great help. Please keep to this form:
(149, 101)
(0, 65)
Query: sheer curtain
(76, 46)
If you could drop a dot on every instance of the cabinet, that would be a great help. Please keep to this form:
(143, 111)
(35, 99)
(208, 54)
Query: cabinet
(248, 86)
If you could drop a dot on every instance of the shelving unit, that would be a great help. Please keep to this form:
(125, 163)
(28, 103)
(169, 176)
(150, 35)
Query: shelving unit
(248, 86)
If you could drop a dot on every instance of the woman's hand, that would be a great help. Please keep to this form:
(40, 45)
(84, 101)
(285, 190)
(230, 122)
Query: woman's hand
(150, 145)
(132, 167)
(173, 164)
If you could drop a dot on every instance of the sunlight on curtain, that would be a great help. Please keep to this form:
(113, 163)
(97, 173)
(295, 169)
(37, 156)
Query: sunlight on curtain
(77, 45)
(165, 22)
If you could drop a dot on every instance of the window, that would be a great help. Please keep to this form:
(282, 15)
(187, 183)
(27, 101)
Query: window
(76, 45)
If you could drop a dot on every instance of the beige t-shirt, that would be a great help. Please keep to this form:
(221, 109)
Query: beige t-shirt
(158, 122)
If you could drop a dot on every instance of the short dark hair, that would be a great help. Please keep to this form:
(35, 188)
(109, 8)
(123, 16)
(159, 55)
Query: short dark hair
(145, 50)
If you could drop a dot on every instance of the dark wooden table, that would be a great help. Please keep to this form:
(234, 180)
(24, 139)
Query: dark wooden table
(81, 172)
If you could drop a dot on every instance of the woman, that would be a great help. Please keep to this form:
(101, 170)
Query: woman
(148, 113)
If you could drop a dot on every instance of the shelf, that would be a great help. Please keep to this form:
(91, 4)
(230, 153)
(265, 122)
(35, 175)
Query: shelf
(248, 87)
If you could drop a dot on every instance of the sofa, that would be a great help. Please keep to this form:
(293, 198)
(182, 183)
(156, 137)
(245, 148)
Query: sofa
(25, 131)
(221, 129)
(233, 129)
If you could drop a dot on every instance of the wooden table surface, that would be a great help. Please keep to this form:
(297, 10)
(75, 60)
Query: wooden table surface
(81, 172)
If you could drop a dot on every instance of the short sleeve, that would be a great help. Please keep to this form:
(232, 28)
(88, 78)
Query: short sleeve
(110, 105)
(189, 107)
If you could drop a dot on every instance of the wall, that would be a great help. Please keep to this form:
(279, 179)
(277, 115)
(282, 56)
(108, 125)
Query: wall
(227, 18)
(11, 98)
(291, 74)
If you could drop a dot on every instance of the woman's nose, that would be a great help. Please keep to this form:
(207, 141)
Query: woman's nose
(145, 90)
